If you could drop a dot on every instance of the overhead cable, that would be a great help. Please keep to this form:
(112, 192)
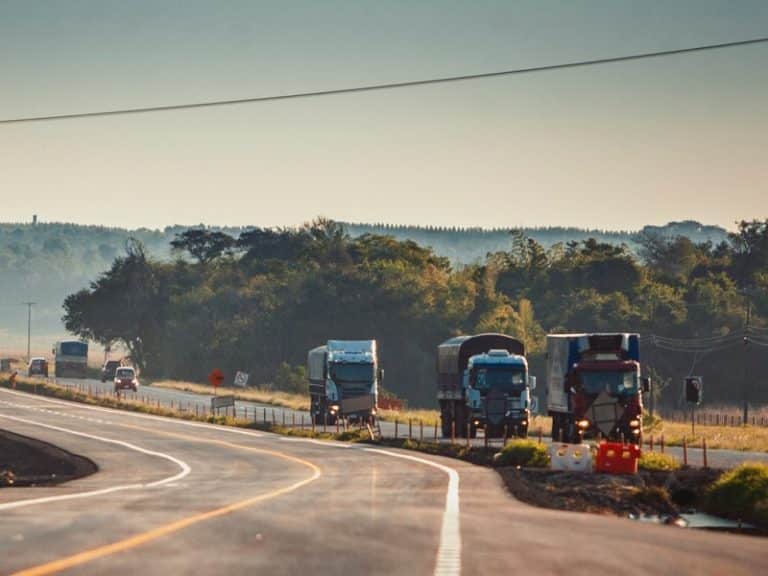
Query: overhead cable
(387, 86)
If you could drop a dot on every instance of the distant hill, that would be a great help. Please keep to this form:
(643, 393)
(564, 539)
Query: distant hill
(467, 245)
(45, 262)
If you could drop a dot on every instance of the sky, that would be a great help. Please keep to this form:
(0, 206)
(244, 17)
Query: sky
(615, 147)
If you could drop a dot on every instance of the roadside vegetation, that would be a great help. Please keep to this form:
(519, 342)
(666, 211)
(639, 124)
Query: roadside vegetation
(741, 438)
(655, 461)
(741, 494)
(251, 394)
(527, 453)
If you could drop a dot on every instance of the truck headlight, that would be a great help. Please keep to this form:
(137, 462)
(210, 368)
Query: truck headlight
(583, 424)
(634, 423)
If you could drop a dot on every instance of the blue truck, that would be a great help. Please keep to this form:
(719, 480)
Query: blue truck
(483, 382)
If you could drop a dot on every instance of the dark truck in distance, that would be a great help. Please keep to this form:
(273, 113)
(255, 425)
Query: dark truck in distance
(70, 358)
(109, 369)
(483, 382)
(594, 388)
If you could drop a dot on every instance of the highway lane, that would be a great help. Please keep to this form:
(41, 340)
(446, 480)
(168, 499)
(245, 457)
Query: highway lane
(252, 410)
(260, 502)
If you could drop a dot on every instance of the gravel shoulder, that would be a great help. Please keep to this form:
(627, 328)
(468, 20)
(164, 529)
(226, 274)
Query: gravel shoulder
(657, 493)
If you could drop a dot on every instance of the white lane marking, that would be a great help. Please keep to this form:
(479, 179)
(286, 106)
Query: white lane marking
(167, 419)
(185, 469)
(330, 444)
(449, 551)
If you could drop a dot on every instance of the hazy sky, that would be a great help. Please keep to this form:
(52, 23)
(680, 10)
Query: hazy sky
(616, 146)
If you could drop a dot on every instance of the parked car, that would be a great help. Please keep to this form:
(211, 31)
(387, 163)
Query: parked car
(125, 379)
(109, 368)
(38, 367)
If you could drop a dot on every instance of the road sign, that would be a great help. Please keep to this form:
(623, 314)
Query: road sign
(216, 377)
(221, 402)
(241, 379)
(694, 389)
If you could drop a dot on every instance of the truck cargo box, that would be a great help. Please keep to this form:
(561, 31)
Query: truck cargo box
(565, 350)
(454, 354)
(316, 365)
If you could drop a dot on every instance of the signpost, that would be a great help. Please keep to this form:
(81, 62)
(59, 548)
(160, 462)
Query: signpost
(693, 388)
(215, 378)
(222, 402)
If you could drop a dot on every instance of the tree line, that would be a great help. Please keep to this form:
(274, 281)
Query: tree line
(262, 298)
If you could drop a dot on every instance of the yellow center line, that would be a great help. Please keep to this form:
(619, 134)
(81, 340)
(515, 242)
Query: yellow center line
(148, 536)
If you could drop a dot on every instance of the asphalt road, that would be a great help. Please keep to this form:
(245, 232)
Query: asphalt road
(252, 410)
(175, 497)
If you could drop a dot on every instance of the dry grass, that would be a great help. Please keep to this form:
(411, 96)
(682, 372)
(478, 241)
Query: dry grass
(429, 418)
(260, 395)
(744, 439)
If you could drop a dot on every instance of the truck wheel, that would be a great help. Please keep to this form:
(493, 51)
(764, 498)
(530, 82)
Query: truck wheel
(445, 426)
(555, 428)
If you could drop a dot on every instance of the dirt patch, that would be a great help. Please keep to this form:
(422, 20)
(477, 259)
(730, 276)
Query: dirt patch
(657, 493)
(25, 461)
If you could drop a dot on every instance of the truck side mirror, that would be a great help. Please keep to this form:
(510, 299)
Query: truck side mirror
(381, 375)
(645, 384)
(53, 351)
(532, 382)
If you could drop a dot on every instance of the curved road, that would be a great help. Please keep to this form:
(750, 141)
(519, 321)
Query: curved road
(250, 410)
(175, 497)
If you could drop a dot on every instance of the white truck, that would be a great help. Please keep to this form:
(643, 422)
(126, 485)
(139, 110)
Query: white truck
(343, 381)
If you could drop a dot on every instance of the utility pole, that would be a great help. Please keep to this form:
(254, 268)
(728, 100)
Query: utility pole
(745, 383)
(29, 327)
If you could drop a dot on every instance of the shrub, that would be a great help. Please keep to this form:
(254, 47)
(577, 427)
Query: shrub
(651, 423)
(654, 497)
(741, 493)
(523, 453)
(657, 461)
(291, 379)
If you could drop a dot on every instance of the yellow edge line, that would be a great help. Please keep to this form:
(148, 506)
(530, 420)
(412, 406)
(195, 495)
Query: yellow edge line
(144, 537)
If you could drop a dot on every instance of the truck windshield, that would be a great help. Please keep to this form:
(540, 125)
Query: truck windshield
(611, 382)
(352, 372)
(74, 349)
(505, 379)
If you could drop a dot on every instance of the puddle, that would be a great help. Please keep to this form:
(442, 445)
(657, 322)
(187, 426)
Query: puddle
(693, 520)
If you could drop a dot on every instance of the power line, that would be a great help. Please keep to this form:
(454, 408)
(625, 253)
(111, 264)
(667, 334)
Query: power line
(389, 86)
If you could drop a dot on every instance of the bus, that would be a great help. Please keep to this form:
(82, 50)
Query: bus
(71, 357)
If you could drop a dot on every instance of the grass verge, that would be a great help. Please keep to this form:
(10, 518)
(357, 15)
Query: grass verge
(742, 439)
(655, 461)
(428, 418)
(741, 494)
(526, 453)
